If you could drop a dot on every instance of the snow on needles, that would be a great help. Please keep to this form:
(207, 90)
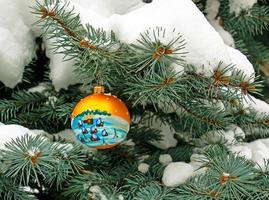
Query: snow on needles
(257, 151)
(176, 173)
(11, 132)
(187, 20)
(61, 72)
(127, 19)
(236, 6)
(16, 42)
(212, 11)
(165, 159)
(143, 167)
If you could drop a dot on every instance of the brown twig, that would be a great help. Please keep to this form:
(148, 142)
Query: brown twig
(48, 13)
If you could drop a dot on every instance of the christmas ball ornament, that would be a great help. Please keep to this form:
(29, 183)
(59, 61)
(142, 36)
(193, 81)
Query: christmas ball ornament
(100, 120)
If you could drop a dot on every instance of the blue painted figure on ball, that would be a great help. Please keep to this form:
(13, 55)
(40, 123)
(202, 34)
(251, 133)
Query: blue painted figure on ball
(99, 122)
(104, 133)
(93, 130)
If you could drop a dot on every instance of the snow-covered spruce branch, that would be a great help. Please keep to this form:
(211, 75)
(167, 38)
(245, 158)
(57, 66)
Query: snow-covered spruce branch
(37, 162)
(194, 96)
(256, 125)
(244, 21)
(52, 165)
(205, 115)
(152, 50)
(151, 79)
(255, 21)
(92, 49)
(114, 173)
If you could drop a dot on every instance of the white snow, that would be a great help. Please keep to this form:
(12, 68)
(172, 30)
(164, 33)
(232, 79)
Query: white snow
(165, 159)
(94, 12)
(256, 151)
(61, 72)
(260, 106)
(179, 69)
(185, 19)
(121, 197)
(176, 173)
(29, 190)
(24, 8)
(242, 150)
(225, 35)
(16, 42)
(230, 136)
(257, 105)
(97, 193)
(236, 6)
(216, 103)
(237, 58)
(107, 8)
(11, 132)
(241, 63)
(95, 189)
(260, 151)
(143, 168)
(238, 133)
(196, 163)
(212, 9)
(130, 18)
(41, 87)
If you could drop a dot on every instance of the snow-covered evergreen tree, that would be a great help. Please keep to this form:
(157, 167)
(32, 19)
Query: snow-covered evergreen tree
(189, 72)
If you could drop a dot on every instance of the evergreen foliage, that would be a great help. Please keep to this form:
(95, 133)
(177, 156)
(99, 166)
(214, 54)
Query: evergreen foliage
(37, 168)
(246, 29)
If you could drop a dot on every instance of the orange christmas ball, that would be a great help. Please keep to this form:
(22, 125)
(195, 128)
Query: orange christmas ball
(100, 120)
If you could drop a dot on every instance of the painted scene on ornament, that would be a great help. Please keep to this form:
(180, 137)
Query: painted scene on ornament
(99, 128)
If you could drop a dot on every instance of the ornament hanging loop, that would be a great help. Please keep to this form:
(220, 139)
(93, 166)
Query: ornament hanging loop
(99, 89)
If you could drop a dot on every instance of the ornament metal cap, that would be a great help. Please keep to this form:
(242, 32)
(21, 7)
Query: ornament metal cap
(99, 89)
